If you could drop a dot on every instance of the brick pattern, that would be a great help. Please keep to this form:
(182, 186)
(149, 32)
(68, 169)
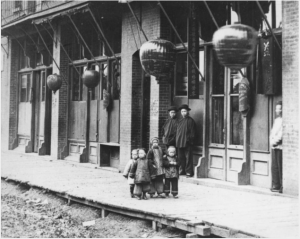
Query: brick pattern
(63, 99)
(5, 91)
(13, 95)
(136, 103)
(132, 39)
(290, 92)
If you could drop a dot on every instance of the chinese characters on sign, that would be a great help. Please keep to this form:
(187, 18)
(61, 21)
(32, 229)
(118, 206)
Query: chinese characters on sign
(193, 48)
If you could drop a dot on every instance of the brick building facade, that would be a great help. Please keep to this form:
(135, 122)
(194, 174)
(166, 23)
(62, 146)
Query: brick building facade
(139, 102)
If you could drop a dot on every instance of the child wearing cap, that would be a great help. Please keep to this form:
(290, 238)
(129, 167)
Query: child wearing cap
(171, 164)
(155, 155)
(134, 155)
(140, 172)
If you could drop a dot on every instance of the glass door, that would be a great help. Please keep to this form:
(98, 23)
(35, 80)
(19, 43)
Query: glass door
(225, 148)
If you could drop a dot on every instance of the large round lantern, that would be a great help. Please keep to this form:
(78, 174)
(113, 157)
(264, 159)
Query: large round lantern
(158, 57)
(91, 78)
(235, 45)
(54, 82)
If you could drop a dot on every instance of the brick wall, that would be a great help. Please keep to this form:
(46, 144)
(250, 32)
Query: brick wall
(13, 95)
(59, 102)
(132, 39)
(137, 102)
(290, 96)
(5, 91)
(63, 100)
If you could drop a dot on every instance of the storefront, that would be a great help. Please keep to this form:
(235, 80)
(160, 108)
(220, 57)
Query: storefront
(127, 107)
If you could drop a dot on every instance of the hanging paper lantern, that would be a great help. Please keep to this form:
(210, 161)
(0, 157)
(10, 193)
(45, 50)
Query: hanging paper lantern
(235, 45)
(54, 82)
(91, 78)
(158, 57)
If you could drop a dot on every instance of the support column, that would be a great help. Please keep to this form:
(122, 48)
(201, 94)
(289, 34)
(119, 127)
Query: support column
(55, 98)
(290, 95)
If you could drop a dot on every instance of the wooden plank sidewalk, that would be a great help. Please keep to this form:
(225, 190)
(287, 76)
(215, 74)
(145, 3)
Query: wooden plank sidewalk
(199, 209)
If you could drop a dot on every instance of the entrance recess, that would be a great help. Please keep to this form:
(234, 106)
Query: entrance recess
(34, 119)
(225, 147)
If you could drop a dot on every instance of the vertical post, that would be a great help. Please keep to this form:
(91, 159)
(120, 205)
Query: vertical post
(104, 213)
(87, 129)
(154, 225)
(244, 173)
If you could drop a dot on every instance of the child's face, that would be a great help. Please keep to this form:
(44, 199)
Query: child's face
(142, 154)
(154, 144)
(134, 155)
(172, 153)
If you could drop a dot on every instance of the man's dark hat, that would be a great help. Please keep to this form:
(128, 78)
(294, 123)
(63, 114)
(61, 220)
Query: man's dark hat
(184, 106)
(172, 108)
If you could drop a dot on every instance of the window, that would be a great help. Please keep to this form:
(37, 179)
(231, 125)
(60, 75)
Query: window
(31, 6)
(18, 4)
(77, 85)
(25, 88)
(43, 86)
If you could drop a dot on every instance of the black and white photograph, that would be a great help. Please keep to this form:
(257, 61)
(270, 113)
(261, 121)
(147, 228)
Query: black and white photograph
(150, 119)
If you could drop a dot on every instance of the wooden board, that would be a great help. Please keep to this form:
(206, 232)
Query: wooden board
(77, 120)
(115, 122)
(93, 120)
(102, 123)
(24, 119)
(42, 119)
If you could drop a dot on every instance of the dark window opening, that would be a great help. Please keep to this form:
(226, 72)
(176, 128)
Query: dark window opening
(25, 88)
(18, 4)
(43, 85)
(31, 6)
(77, 85)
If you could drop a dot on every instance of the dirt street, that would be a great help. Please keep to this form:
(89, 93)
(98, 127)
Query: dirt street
(28, 212)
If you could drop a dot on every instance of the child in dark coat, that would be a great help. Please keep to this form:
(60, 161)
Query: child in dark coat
(140, 171)
(171, 164)
(155, 154)
(134, 155)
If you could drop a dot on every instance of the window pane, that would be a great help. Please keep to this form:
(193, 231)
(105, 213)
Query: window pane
(116, 81)
(104, 78)
(236, 120)
(24, 81)
(201, 68)
(181, 75)
(218, 77)
(217, 132)
(235, 79)
(23, 95)
(29, 92)
(43, 85)
(77, 92)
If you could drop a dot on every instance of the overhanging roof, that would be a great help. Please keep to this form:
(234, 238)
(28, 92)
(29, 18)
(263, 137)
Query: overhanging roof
(50, 13)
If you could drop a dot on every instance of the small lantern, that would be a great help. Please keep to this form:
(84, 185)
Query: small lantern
(91, 78)
(235, 45)
(54, 82)
(158, 57)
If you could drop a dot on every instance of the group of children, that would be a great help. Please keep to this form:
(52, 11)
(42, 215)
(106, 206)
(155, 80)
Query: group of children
(154, 172)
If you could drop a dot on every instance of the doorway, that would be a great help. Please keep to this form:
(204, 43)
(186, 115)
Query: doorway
(34, 119)
(225, 131)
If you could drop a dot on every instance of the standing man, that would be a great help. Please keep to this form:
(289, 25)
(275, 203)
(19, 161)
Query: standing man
(169, 128)
(185, 136)
(276, 144)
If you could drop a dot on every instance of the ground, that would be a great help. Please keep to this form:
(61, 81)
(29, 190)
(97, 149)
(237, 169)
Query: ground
(33, 213)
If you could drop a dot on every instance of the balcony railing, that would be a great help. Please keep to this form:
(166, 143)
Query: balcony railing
(14, 10)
